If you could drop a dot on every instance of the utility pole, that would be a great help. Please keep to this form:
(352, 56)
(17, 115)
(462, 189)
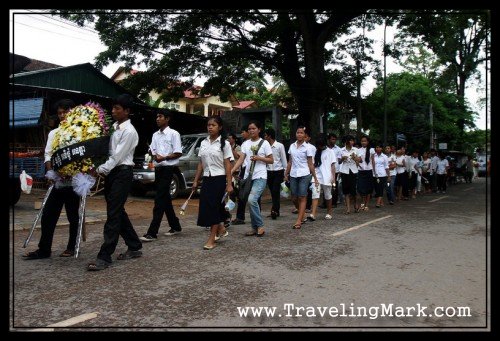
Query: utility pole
(431, 118)
(385, 91)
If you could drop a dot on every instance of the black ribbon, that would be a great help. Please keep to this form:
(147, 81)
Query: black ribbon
(82, 150)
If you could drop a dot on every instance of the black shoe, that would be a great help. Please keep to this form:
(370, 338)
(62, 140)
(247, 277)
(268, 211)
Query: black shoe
(171, 232)
(238, 222)
(147, 238)
(274, 215)
(36, 255)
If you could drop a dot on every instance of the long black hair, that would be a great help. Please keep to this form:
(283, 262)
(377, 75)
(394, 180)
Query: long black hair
(320, 146)
(218, 120)
(367, 154)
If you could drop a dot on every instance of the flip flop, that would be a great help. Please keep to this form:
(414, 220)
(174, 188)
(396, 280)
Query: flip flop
(67, 253)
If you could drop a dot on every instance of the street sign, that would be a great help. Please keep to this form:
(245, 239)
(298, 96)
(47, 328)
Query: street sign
(443, 146)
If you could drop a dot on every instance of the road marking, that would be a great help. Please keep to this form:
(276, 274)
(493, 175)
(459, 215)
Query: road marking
(359, 226)
(66, 323)
(74, 320)
(446, 196)
(468, 189)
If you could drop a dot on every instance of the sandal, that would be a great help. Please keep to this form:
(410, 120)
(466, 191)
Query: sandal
(129, 254)
(37, 254)
(347, 212)
(297, 226)
(99, 264)
(251, 233)
(261, 230)
(67, 253)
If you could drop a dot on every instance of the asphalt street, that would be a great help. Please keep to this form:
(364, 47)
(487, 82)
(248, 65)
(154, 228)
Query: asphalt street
(432, 252)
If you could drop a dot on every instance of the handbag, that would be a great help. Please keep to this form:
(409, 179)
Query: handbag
(245, 185)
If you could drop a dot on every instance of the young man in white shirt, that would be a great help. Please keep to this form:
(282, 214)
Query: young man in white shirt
(275, 171)
(166, 149)
(118, 172)
(60, 196)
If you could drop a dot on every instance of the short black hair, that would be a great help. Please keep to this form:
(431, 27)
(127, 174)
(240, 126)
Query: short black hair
(270, 132)
(332, 135)
(164, 112)
(126, 101)
(65, 104)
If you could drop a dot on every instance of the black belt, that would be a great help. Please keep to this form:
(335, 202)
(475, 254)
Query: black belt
(121, 167)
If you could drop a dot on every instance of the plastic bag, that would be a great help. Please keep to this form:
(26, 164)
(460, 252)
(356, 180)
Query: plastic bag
(26, 182)
(230, 205)
(285, 191)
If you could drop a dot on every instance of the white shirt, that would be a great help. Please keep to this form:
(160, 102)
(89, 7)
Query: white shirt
(426, 165)
(349, 164)
(338, 156)
(414, 162)
(400, 168)
(212, 157)
(279, 156)
(324, 171)
(434, 161)
(48, 146)
(164, 143)
(392, 158)
(260, 170)
(121, 147)
(363, 165)
(381, 165)
(441, 166)
(298, 156)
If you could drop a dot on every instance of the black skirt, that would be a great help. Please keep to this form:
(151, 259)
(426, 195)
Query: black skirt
(365, 182)
(211, 209)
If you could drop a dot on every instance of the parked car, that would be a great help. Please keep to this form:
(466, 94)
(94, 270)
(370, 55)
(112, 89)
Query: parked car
(184, 172)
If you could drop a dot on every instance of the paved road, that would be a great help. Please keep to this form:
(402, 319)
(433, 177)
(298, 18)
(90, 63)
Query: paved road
(429, 252)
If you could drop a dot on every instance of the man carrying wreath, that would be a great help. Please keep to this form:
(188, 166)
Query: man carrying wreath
(118, 172)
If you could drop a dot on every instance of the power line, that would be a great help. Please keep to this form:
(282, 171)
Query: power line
(55, 24)
(62, 34)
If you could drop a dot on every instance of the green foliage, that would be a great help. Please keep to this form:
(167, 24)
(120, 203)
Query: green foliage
(409, 97)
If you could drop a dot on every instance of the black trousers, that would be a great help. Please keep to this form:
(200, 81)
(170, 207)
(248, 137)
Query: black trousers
(274, 180)
(116, 188)
(51, 212)
(163, 201)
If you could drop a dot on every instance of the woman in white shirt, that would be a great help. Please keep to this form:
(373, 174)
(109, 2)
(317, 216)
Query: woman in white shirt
(401, 174)
(392, 173)
(365, 175)
(324, 163)
(260, 157)
(299, 170)
(349, 172)
(442, 170)
(380, 173)
(215, 165)
(426, 167)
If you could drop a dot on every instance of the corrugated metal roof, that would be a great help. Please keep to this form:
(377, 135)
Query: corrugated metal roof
(82, 77)
(25, 112)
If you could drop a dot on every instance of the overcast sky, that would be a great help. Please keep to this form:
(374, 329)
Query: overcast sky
(54, 40)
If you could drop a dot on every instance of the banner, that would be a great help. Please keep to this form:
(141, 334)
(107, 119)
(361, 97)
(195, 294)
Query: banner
(82, 150)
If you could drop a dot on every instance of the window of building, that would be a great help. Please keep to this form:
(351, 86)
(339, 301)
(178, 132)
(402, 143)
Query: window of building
(173, 106)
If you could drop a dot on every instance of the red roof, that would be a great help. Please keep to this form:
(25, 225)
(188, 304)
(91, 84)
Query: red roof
(189, 94)
(243, 104)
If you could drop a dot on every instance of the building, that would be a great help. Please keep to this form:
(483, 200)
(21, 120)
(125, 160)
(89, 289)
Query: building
(192, 102)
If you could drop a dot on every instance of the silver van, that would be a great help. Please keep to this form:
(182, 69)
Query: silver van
(184, 173)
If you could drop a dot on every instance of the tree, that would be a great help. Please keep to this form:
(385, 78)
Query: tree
(225, 46)
(408, 100)
(457, 39)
